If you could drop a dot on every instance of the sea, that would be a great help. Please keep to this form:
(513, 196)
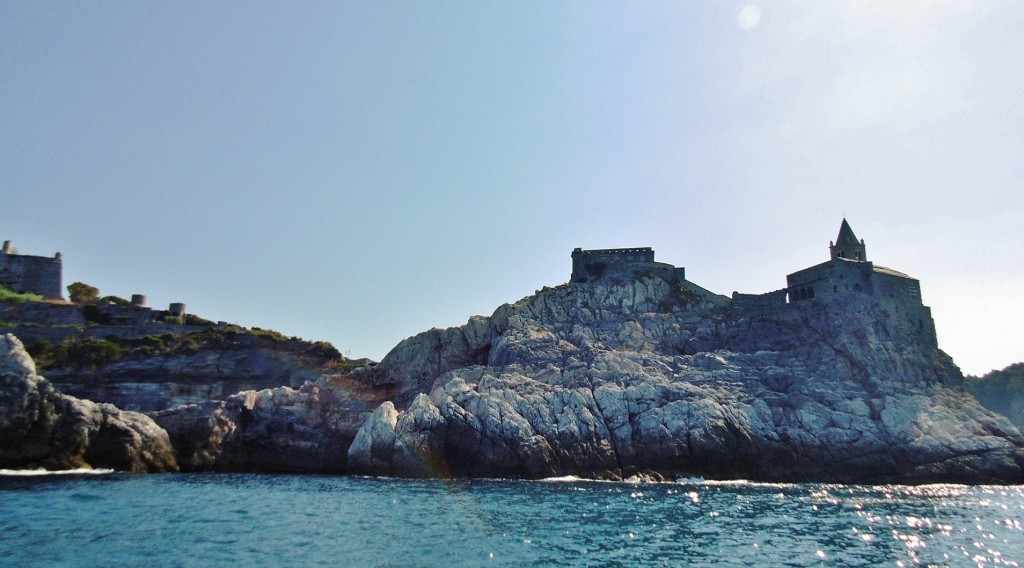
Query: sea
(111, 519)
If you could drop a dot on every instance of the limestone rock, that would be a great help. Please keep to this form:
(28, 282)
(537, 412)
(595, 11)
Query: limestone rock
(414, 363)
(615, 379)
(308, 429)
(40, 427)
(161, 382)
(373, 448)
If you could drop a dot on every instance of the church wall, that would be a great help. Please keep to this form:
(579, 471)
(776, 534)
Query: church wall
(828, 279)
(905, 291)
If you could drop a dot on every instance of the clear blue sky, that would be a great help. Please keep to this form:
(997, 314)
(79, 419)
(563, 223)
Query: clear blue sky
(360, 172)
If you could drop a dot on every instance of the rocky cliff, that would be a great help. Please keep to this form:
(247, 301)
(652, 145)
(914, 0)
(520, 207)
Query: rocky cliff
(159, 382)
(608, 379)
(308, 429)
(152, 373)
(40, 427)
(614, 379)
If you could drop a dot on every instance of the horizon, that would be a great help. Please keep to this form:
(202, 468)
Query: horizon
(362, 173)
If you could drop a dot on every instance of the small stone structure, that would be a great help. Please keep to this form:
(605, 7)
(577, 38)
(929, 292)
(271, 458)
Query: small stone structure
(139, 300)
(36, 274)
(624, 263)
(177, 309)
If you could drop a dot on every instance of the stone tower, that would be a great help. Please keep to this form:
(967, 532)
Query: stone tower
(35, 274)
(847, 246)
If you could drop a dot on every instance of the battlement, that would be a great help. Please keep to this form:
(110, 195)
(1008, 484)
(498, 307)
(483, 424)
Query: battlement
(615, 255)
(36, 274)
(620, 263)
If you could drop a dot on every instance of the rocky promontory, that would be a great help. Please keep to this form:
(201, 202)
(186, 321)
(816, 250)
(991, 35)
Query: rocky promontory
(610, 378)
(646, 377)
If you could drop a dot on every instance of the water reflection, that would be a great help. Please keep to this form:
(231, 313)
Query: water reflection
(202, 520)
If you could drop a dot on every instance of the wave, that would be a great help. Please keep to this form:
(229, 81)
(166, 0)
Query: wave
(564, 479)
(732, 482)
(632, 480)
(44, 472)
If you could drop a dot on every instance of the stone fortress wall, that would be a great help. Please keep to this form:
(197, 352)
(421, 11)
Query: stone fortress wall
(769, 300)
(56, 321)
(847, 274)
(37, 274)
(628, 263)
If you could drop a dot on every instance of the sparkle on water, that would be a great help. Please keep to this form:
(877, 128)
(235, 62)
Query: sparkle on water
(282, 520)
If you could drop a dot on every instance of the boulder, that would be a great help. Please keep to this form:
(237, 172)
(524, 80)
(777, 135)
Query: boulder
(40, 427)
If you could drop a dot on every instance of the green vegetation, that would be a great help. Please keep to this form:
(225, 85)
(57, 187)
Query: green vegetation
(8, 295)
(20, 324)
(91, 352)
(88, 352)
(678, 297)
(187, 319)
(82, 293)
(1001, 391)
(115, 300)
(198, 321)
(324, 349)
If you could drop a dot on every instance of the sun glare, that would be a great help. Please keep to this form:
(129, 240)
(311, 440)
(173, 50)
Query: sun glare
(749, 16)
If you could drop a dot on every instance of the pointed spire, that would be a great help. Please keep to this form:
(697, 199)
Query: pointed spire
(846, 234)
(847, 246)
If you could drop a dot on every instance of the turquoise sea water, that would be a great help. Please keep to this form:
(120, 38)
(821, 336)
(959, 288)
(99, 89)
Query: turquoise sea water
(117, 519)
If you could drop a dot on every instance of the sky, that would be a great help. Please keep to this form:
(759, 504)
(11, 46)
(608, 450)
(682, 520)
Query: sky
(359, 172)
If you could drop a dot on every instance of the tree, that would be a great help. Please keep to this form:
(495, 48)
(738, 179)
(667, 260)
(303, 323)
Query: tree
(82, 293)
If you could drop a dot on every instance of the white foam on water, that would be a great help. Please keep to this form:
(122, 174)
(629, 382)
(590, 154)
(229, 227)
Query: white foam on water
(564, 479)
(731, 482)
(43, 472)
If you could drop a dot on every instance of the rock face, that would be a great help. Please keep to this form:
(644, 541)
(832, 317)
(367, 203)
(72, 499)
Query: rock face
(40, 427)
(606, 379)
(646, 377)
(161, 382)
(308, 429)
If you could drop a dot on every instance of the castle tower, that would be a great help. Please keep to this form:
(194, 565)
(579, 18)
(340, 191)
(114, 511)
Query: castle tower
(847, 246)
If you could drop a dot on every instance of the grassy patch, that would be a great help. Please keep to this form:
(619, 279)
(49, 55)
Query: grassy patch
(8, 295)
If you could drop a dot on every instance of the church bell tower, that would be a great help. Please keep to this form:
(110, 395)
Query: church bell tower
(847, 246)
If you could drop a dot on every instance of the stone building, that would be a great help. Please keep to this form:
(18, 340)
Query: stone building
(36, 274)
(624, 263)
(850, 271)
(847, 275)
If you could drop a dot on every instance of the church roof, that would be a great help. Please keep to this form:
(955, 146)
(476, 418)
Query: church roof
(846, 234)
(891, 272)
